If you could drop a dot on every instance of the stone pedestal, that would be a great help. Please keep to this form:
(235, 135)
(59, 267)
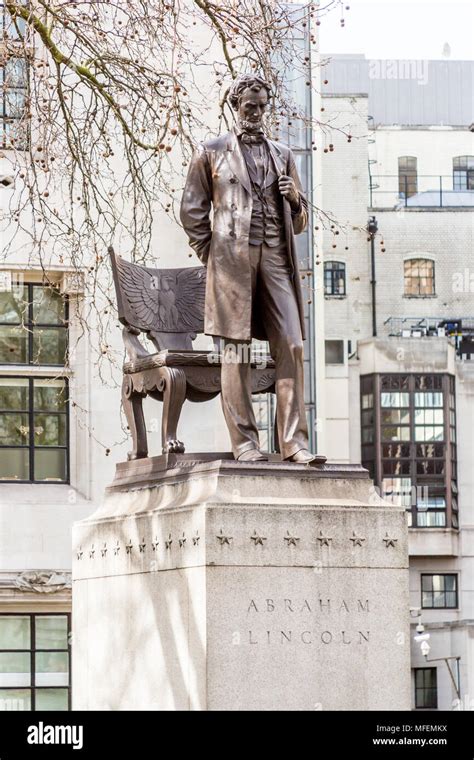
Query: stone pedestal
(210, 585)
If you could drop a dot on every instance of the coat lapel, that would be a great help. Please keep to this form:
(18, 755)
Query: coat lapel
(237, 162)
(277, 158)
(280, 168)
(239, 167)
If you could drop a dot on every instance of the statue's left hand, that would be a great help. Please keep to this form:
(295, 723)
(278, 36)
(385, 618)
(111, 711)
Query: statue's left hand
(288, 190)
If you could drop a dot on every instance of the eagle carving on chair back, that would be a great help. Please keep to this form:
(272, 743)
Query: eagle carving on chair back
(160, 300)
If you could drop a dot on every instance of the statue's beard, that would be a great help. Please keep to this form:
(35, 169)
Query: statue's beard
(251, 126)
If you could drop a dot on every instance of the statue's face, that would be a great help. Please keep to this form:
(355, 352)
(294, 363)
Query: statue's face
(252, 106)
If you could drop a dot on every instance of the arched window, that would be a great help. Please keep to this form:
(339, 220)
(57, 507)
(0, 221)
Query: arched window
(419, 276)
(463, 173)
(407, 176)
(334, 278)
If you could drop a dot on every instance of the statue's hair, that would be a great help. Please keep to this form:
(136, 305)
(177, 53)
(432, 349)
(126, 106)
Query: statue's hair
(246, 82)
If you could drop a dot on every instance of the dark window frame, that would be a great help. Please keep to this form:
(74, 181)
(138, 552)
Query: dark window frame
(444, 592)
(332, 275)
(33, 650)
(463, 173)
(422, 691)
(7, 119)
(407, 176)
(368, 409)
(430, 466)
(31, 442)
(30, 325)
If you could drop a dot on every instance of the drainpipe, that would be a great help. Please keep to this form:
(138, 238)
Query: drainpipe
(372, 228)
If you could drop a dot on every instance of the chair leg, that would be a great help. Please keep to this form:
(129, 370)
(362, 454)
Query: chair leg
(173, 386)
(132, 406)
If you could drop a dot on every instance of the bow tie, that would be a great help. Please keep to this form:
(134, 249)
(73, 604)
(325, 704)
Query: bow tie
(252, 139)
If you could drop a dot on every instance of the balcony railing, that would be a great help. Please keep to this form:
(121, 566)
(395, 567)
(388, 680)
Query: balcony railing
(421, 191)
(460, 331)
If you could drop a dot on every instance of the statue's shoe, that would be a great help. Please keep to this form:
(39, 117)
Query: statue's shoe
(252, 455)
(303, 456)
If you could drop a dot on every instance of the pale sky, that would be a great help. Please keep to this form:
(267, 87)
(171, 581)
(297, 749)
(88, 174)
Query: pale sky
(409, 29)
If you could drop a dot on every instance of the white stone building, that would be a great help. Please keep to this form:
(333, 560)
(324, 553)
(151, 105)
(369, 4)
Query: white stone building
(400, 376)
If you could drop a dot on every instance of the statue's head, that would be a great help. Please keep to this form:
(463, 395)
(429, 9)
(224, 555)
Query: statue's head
(249, 97)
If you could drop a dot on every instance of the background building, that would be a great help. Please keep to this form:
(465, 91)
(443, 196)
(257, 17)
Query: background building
(400, 333)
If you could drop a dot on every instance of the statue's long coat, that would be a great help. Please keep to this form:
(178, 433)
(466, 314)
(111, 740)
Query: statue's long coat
(218, 175)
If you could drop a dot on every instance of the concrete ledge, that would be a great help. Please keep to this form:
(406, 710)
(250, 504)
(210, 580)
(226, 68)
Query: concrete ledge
(433, 542)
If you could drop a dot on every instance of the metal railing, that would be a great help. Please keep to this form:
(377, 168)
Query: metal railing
(419, 191)
(460, 331)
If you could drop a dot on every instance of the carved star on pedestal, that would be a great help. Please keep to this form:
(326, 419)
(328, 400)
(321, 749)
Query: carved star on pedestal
(168, 541)
(356, 540)
(142, 546)
(389, 541)
(257, 539)
(290, 540)
(129, 546)
(116, 548)
(196, 539)
(323, 540)
(103, 551)
(154, 544)
(92, 552)
(182, 541)
(80, 553)
(223, 539)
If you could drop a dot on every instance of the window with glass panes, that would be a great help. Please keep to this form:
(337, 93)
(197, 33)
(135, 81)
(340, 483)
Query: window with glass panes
(367, 412)
(463, 173)
(407, 176)
(35, 660)
(419, 277)
(13, 102)
(33, 325)
(334, 278)
(439, 591)
(12, 29)
(451, 411)
(14, 83)
(264, 410)
(426, 688)
(33, 407)
(408, 438)
(34, 429)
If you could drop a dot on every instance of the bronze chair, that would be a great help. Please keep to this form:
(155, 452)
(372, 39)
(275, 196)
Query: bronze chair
(167, 305)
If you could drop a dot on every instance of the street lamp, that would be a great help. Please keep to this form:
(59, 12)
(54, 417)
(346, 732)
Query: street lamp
(425, 649)
(422, 639)
(372, 225)
(372, 228)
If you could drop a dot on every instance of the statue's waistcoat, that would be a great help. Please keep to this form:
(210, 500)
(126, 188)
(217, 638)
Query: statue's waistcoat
(266, 223)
